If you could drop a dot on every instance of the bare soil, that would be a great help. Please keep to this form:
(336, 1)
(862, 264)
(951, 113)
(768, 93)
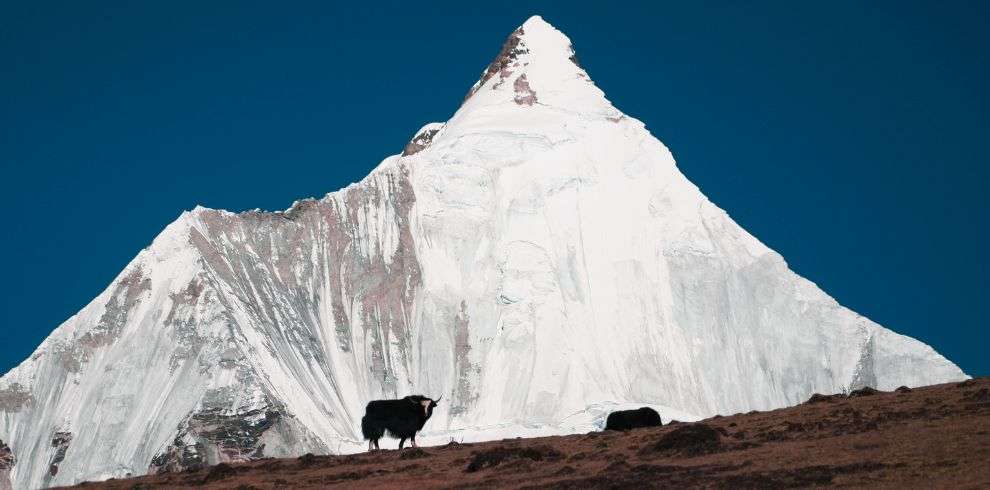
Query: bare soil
(937, 436)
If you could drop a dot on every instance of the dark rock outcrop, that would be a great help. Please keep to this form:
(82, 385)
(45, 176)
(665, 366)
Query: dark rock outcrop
(7, 462)
(819, 398)
(864, 391)
(232, 437)
(420, 141)
(524, 94)
(510, 51)
(60, 441)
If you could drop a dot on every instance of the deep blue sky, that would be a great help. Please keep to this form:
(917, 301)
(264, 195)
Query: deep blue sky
(851, 137)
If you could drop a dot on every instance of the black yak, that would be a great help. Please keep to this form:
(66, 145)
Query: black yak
(632, 419)
(399, 418)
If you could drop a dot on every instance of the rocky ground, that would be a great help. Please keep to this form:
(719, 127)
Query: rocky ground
(937, 436)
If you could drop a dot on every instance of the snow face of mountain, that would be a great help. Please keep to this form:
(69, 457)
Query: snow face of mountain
(538, 260)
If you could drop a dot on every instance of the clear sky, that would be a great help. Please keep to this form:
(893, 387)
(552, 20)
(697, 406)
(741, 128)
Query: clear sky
(851, 137)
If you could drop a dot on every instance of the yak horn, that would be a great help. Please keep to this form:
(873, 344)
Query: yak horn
(438, 399)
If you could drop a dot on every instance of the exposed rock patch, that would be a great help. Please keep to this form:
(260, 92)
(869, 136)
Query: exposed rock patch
(60, 441)
(574, 58)
(7, 462)
(509, 54)
(126, 295)
(179, 456)
(524, 94)
(7, 459)
(182, 318)
(420, 141)
(232, 437)
(14, 398)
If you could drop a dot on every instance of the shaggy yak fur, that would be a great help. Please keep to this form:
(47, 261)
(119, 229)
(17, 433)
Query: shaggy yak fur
(401, 419)
(632, 419)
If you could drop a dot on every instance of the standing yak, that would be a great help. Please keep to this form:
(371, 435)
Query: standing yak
(400, 418)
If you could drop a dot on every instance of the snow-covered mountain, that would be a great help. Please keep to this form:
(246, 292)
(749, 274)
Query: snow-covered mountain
(538, 260)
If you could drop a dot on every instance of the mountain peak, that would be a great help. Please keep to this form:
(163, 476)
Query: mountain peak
(544, 38)
(536, 21)
(537, 59)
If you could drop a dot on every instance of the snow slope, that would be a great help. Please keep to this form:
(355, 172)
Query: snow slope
(538, 260)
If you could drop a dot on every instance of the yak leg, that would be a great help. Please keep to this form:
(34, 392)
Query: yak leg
(413, 439)
(402, 442)
(371, 445)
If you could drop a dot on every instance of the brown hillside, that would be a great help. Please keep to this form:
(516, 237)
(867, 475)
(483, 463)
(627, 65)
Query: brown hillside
(934, 436)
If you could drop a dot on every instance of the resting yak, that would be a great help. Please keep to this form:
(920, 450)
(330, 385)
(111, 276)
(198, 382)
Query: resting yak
(400, 418)
(633, 419)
